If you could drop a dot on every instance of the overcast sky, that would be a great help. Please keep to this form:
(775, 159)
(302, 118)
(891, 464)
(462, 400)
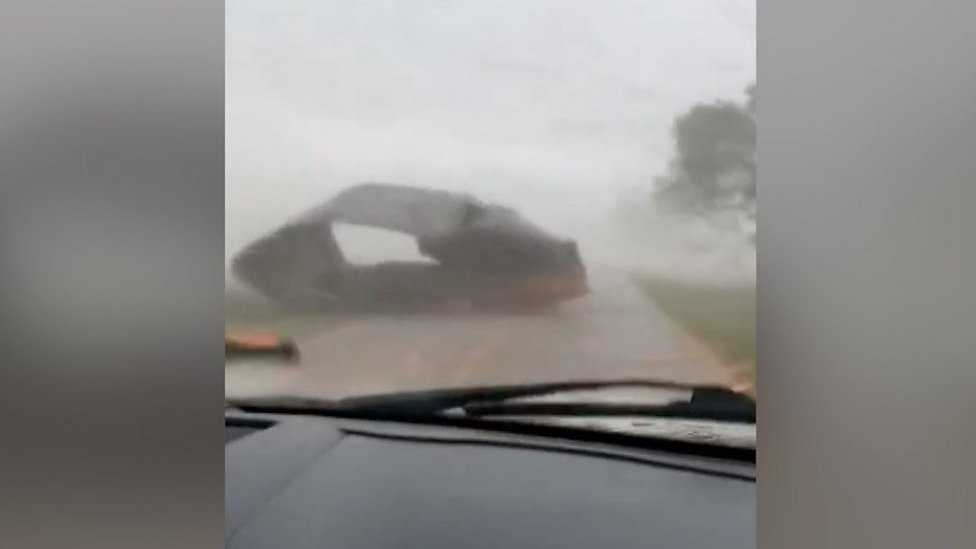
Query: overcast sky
(514, 100)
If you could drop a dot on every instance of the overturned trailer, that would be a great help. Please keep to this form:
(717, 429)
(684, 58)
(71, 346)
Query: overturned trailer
(483, 255)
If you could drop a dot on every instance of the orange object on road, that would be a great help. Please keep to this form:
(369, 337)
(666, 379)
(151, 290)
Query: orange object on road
(258, 344)
(257, 341)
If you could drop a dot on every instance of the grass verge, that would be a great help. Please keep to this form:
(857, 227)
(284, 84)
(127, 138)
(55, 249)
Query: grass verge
(723, 317)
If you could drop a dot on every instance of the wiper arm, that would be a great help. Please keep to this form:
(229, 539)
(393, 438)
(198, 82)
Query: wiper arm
(720, 405)
(714, 403)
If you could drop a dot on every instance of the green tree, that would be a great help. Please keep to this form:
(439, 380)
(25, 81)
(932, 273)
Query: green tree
(714, 166)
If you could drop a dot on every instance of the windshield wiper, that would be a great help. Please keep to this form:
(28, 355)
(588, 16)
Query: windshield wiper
(708, 402)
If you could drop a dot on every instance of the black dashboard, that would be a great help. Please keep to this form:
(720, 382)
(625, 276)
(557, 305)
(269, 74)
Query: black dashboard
(297, 482)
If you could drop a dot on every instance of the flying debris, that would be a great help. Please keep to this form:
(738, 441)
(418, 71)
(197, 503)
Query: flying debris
(484, 256)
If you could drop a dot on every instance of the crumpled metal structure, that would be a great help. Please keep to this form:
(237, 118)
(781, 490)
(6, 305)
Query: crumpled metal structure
(483, 254)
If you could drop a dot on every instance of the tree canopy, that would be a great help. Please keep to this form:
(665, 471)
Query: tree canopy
(714, 164)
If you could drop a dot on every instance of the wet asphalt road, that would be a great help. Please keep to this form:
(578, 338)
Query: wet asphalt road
(615, 332)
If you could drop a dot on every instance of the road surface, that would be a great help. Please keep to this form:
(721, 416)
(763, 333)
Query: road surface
(615, 332)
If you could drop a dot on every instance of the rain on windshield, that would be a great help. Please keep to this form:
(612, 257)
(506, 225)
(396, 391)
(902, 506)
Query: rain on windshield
(435, 194)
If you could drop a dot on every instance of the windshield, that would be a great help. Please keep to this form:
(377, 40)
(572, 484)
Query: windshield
(438, 195)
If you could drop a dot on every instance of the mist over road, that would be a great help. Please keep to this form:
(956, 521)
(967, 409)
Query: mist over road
(615, 332)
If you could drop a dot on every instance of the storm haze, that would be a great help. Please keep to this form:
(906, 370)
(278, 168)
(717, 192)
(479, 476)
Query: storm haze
(562, 109)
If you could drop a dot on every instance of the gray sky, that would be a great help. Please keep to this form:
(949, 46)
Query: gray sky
(551, 105)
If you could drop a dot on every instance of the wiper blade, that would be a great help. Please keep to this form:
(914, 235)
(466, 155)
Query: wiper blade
(705, 404)
(708, 402)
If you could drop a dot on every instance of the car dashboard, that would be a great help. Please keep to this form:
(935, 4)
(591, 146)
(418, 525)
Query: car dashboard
(298, 481)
